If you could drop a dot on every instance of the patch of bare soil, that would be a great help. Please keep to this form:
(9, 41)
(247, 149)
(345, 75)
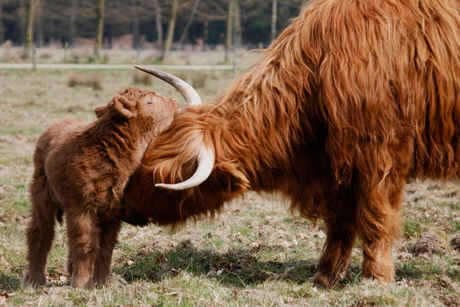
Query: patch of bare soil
(442, 282)
(10, 217)
(428, 244)
(155, 245)
(428, 284)
(455, 243)
(363, 301)
(450, 300)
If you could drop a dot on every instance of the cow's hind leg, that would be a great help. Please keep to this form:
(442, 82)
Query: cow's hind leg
(108, 239)
(337, 252)
(40, 231)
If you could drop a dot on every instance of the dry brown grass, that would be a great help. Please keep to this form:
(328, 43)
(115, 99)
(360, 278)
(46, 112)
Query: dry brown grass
(142, 78)
(84, 54)
(199, 79)
(93, 81)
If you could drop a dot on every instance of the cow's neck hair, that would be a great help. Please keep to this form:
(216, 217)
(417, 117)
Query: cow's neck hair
(255, 127)
(322, 94)
(259, 113)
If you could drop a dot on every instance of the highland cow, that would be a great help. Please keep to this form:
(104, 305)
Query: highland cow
(81, 171)
(353, 99)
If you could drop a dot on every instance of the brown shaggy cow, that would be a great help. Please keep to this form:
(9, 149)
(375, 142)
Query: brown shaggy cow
(81, 171)
(354, 98)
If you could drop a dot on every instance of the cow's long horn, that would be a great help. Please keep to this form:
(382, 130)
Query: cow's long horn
(205, 165)
(187, 91)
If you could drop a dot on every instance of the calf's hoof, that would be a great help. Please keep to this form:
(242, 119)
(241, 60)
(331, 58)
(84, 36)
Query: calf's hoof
(35, 281)
(82, 283)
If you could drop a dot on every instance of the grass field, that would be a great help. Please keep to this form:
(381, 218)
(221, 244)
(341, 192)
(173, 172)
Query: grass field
(254, 254)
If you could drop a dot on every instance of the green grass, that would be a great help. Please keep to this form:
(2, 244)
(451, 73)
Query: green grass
(412, 228)
(253, 254)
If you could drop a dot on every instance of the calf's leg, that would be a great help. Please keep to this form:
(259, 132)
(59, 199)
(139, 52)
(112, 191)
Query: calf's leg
(40, 231)
(108, 239)
(83, 240)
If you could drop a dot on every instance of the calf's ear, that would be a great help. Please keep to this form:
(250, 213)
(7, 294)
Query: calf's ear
(100, 111)
(123, 107)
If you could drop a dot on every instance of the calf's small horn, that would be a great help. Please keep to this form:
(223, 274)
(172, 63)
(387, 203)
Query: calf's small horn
(187, 91)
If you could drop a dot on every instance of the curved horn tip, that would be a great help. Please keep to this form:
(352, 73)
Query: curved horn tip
(167, 186)
(139, 67)
(205, 166)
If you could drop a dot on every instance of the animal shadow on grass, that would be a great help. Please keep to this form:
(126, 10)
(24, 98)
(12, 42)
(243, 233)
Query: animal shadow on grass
(9, 284)
(238, 268)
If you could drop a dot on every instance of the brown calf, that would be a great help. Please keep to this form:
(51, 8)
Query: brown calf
(81, 171)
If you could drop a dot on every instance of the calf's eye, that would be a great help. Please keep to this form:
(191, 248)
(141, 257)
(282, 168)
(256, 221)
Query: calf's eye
(150, 101)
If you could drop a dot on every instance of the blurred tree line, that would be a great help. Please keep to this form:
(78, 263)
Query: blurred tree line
(44, 22)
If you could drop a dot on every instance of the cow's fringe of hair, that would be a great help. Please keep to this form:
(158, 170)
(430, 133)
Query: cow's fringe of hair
(371, 86)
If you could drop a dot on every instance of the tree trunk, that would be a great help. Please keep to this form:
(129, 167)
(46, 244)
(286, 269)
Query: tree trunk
(2, 38)
(100, 28)
(159, 25)
(73, 24)
(39, 40)
(28, 46)
(171, 27)
(189, 22)
(22, 21)
(51, 30)
(205, 33)
(136, 39)
(230, 25)
(274, 15)
(238, 40)
(109, 35)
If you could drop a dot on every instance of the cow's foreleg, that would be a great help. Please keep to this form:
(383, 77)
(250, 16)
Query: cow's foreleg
(337, 253)
(379, 221)
(377, 243)
(377, 261)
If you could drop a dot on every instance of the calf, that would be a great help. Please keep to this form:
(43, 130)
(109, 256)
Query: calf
(81, 171)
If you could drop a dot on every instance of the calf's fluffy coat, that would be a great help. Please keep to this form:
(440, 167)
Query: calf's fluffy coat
(81, 171)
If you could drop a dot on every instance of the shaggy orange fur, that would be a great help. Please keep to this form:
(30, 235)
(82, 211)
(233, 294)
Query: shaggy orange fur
(81, 171)
(353, 98)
